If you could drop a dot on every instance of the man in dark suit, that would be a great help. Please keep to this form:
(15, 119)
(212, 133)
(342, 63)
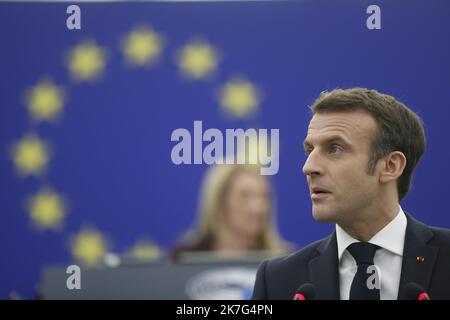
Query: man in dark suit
(362, 148)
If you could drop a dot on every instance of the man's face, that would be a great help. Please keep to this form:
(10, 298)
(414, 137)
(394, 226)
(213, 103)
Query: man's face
(338, 145)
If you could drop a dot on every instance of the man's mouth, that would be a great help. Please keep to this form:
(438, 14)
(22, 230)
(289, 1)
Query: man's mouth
(318, 193)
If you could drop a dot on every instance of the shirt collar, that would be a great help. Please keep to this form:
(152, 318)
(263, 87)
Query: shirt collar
(391, 237)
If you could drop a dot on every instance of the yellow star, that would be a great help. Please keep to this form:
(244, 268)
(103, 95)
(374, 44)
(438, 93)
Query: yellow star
(45, 101)
(239, 97)
(198, 60)
(142, 46)
(89, 247)
(145, 250)
(86, 61)
(30, 155)
(47, 209)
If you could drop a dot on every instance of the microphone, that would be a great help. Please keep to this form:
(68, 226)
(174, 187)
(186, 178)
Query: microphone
(416, 292)
(306, 291)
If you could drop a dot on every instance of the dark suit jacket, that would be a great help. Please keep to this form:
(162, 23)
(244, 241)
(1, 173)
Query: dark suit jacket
(317, 263)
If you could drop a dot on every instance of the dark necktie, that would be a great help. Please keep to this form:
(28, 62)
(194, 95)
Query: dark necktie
(363, 253)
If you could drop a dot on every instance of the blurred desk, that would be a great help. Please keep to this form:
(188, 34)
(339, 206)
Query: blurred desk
(189, 280)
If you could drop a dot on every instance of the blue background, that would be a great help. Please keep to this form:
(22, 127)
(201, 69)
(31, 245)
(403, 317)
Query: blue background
(112, 147)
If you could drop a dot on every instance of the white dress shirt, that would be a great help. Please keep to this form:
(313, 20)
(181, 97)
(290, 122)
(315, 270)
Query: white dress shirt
(388, 258)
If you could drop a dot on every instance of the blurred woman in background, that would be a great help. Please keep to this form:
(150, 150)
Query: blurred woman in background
(236, 215)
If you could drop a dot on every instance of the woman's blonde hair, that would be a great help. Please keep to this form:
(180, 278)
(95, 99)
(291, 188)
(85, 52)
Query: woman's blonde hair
(214, 189)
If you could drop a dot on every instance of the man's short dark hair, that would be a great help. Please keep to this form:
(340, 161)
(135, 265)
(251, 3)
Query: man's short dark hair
(399, 128)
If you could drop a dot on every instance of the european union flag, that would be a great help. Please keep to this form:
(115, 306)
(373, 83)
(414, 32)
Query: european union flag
(91, 94)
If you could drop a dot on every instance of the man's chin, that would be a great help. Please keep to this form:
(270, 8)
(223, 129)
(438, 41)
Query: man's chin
(324, 216)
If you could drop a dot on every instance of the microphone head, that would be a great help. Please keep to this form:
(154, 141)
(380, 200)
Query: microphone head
(306, 291)
(415, 292)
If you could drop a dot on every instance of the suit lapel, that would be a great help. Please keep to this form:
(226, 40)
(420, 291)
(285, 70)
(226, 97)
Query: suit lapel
(418, 257)
(324, 270)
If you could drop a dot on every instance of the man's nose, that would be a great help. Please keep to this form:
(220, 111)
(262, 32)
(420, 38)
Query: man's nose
(312, 165)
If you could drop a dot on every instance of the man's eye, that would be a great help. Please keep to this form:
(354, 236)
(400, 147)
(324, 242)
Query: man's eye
(335, 149)
(307, 152)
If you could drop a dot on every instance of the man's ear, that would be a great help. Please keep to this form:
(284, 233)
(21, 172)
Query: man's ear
(392, 166)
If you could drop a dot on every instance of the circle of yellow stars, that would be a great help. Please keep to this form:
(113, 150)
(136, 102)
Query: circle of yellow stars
(45, 101)
(239, 97)
(30, 155)
(198, 60)
(142, 46)
(47, 209)
(145, 250)
(89, 246)
(86, 62)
